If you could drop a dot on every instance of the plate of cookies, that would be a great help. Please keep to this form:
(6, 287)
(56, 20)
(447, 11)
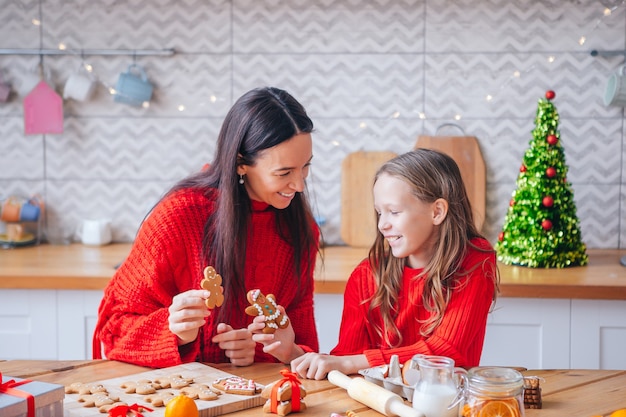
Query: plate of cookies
(395, 377)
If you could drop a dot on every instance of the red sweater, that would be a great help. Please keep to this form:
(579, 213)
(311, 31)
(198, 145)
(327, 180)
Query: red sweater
(166, 259)
(459, 336)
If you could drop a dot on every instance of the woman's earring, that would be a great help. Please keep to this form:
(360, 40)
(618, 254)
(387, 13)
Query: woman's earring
(241, 179)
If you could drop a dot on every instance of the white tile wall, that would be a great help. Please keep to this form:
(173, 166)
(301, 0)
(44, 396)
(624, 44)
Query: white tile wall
(364, 70)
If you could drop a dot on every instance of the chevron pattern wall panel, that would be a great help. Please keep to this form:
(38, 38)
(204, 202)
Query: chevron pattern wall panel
(373, 75)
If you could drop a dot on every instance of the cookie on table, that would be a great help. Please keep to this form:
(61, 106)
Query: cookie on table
(265, 305)
(84, 389)
(236, 385)
(201, 392)
(173, 381)
(142, 387)
(212, 282)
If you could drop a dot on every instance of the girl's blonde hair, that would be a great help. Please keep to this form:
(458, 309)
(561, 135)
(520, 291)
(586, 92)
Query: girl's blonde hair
(432, 175)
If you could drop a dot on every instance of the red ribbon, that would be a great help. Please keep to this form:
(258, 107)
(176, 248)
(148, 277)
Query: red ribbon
(295, 391)
(9, 388)
(123, 410)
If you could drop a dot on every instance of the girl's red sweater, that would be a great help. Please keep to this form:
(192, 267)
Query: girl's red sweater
(460, 335)
(166, 259)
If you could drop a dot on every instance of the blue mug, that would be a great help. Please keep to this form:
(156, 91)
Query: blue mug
(29, 212)
(133, 87)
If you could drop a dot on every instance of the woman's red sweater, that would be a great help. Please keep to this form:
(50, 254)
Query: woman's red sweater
(460, 335)
(166, 259)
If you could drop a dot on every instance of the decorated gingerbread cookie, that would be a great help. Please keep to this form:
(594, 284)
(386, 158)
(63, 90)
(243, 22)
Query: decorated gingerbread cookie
(212, 282)
(236, 385)
(262, 305)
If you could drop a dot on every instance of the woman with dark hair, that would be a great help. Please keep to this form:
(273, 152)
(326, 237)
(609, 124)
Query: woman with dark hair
(247, 216)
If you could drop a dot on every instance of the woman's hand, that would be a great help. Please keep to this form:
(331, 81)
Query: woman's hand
(317, 365)
(280, 344)
(187, 314)
(237, 344)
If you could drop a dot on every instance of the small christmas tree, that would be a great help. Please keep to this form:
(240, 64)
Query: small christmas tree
(541, 229)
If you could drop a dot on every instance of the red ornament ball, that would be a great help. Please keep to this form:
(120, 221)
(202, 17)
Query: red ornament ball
(552, 139)
(501, 236)
(512, 202)
(546, 224)
(551, 172)
(547, 201)
(550, 94)
(522, 168)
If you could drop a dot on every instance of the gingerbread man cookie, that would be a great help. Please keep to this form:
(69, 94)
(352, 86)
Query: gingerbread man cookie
(160, 398)
(83, 389)
(265, 305)
(143, 387)
(98, 399)
(173, 381)
(201, 392)
(212, 282)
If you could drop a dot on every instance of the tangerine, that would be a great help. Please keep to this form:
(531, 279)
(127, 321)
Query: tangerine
(618, 413)
(181, 406)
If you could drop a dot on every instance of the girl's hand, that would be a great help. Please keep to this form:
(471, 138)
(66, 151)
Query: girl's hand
(237, 344)
(317, 365)
(187, 314)
(280, 344)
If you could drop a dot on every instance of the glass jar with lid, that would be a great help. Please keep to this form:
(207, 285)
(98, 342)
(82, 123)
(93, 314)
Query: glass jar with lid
(494, 391)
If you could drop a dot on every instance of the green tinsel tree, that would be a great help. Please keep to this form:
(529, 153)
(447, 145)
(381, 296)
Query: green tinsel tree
(541, 229)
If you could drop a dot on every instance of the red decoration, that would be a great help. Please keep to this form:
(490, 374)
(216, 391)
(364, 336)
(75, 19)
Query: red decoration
(512, 202)
(550, 94)
(546, 224)
(547, 201)
(295, 391)
(552, 139)
(551, 172)
(501, 236)
(522, 168)
(123, 410)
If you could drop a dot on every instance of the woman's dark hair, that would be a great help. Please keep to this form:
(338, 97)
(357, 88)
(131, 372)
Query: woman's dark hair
(262, 118)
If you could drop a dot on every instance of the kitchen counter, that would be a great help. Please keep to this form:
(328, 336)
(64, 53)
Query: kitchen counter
(82, 267)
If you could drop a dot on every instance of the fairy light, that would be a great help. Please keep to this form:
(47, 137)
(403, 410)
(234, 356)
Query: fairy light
(62, 46)
(213, 99)
(457, 117)
(422, 115)
(36, 22)
(335, 143)
(488, 97)
(181, 107)
(362, 125)
(145, 104)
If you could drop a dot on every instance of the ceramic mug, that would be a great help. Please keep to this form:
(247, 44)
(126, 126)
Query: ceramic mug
(95, 232)
(11, 210)
(615, 93)
(133, 87)
(29, 212)
(79, 86)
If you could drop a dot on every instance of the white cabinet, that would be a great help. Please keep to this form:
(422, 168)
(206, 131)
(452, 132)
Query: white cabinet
(28, 324)
(598, 334)
(47, 324)
(529, 332)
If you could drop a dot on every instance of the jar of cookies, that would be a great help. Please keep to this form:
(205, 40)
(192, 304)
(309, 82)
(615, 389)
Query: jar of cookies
(494, 391)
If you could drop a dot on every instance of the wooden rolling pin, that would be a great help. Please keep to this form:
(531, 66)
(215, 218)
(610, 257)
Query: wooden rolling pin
(373, 396)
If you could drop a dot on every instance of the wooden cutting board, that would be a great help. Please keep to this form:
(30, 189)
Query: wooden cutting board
(226, 403)
(358, 222)
(466, 152)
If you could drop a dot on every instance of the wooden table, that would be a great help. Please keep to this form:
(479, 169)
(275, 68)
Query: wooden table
(90, 268)
(565, 392)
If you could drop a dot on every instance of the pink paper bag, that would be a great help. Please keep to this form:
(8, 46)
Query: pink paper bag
(43, 110)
